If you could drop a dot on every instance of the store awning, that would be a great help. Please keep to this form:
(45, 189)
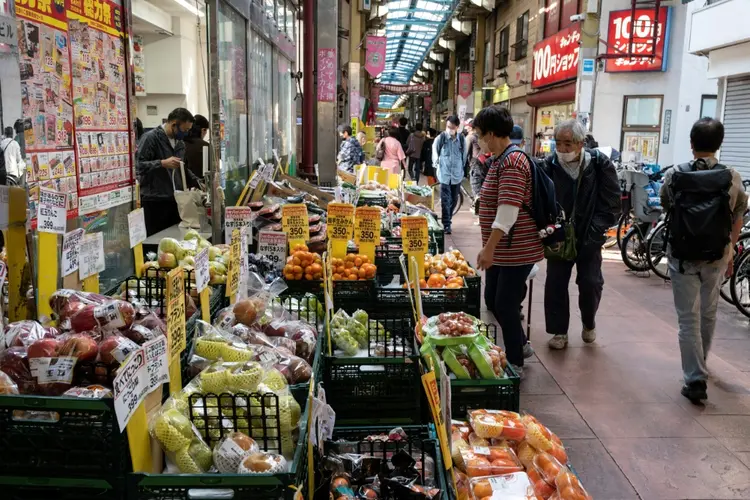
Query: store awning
(554, 95)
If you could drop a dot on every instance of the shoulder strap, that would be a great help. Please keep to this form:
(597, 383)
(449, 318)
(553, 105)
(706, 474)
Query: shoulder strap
(461, 142)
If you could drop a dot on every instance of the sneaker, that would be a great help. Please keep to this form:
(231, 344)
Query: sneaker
(528, 351)
(448, 231)
(695, 391)
(476, 222)
(558, 342)
(518, 370)
(588, 336)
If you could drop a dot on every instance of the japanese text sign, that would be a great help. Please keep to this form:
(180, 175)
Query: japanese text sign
(273, 245)
(176, 311)
(51, 211)
(233, 269)
(157, 362)
(295, 223)
(556, 58)
(367, 224)
(91, 255)
(340, 221)
(70, 250)
(414, 234)
(237, 218)
(136, 227)
(202, 274)
(327, 75)
(130, 386)
(644, 36)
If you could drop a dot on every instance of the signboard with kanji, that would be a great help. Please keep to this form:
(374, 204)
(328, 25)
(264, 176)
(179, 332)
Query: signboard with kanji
(556, 58)
(644, 36)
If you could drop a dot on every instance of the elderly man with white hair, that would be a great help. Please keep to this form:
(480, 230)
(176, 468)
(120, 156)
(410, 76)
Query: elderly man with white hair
(588, 192)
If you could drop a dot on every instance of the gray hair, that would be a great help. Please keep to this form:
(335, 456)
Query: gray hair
(575, 127)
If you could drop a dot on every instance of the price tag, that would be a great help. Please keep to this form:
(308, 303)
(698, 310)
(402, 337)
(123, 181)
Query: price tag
(70, 250)
(482, 450)
(59, 370)
(273, 246)
(91, 255)
(414, 234)
(295, 223)
(189, 245)
(237, 218)
(202, 276)
(157, 362)
(515, 485)
(51, 211)
(233, 270)
(340, 221)
(176, 311)
(244, 266)
(130, 387)
(367, 230)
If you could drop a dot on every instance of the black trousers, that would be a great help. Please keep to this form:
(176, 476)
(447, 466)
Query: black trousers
(504, 291)
(415, 167)
(160, 214)
(590, 283)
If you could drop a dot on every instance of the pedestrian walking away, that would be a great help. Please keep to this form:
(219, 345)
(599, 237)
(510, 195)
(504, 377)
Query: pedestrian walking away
(588, 192)
(510, 239)
(390, 153)
(705, 202)
(13, 168)
(448, 157)
(414, 152)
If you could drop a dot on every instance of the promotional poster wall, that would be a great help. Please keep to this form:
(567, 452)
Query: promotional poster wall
(74, 97)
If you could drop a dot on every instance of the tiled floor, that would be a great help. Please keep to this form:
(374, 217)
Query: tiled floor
(616, 403)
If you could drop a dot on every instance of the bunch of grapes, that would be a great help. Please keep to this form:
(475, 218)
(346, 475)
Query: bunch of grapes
(263, 266)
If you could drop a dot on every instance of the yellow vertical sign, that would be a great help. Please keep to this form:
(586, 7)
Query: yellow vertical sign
(429, 382)
(295, 224)
(414, 238)
(340, 227)
(16, 245)
(176, 334)
(233, 271)
(367, 230)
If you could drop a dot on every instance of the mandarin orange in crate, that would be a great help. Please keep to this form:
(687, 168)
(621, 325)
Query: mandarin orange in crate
(353, 267)
(303, 264)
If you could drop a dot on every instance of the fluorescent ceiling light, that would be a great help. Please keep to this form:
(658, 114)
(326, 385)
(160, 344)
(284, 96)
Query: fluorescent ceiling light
(190, 8)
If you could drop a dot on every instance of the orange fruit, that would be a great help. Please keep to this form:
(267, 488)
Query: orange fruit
(357, 262)
(308, 277)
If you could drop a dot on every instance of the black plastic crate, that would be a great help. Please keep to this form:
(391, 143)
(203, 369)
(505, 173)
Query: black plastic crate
(35, 488)
(373, 201)
(62, 437)
(434, 300)
(301, 287)
(474, 295)
(421, 443)
(344, 291)
(501, 394)
(388, 255)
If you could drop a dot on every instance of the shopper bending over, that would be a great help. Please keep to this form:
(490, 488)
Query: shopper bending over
(511, 242)
(448, 159)
(699, 254)
(588, 192)
(158, 167)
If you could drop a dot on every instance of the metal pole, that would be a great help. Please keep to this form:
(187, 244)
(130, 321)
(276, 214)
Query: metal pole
(217, 195)
(308, 92)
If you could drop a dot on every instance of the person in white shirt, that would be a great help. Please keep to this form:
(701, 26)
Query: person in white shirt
(15, 167)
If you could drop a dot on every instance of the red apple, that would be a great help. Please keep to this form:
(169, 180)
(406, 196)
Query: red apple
(14, 362)
(81, 346)
(45, 348)
(84, 319)
(23, 333)
(114, 349)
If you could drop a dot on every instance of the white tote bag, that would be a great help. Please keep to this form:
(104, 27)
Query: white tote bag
(189, 203)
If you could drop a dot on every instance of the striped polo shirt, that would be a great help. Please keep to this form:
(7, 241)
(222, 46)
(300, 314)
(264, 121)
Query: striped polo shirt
(510, 184)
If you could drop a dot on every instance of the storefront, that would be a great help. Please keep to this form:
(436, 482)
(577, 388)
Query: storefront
(555, 68)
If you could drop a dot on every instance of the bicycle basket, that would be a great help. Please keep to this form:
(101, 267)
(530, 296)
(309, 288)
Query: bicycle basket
(645, 196)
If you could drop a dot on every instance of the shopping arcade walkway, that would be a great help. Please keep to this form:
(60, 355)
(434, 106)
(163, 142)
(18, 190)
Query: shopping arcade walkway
(616, 403)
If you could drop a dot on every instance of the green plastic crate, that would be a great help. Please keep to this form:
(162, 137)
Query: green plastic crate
(35, 488)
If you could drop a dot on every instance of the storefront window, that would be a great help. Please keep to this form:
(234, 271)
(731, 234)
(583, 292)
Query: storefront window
(233, 101)
(547, 119)
(641, 123)
(284, 105)
(708, 106)
(281, 15)
(261, 92)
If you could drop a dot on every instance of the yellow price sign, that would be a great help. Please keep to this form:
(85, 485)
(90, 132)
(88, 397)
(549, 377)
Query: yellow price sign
(233, 270)
(176, 311)
(367, 230)
(414, 234)
(295, 224)
(340, 221)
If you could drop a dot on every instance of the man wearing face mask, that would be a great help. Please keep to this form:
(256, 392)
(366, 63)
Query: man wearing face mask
(588, 192)
(449, 157)
(158, 168)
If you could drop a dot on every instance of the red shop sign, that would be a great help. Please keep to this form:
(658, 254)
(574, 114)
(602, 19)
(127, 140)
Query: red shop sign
(556, 58)
(622, 30)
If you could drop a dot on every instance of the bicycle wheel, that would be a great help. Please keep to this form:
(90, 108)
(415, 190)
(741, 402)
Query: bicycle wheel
(623, 226)
(633, 250)
(656, 252)
(739, 283)
(460, 202)
(739, 248)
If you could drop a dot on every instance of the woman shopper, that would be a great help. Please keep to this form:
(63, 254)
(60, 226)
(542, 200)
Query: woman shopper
(511, 243)
(428, 170)
(390, 153)
(194, 144)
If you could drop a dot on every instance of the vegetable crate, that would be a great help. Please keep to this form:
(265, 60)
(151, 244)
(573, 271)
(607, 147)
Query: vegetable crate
(346, 294)
(34, 488)
(234, 486)
(373, 201)
(434, 300)
(421, 444)
(387, 255)
(496, 394)
(384, 377)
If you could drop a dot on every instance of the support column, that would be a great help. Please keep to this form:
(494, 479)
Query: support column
(586, 83)
(309, 97)
(326, 37)
(479, 54)
(355, 37)
(452, 82)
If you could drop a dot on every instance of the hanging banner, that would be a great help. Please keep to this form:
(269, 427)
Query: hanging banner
(375, 58)
(326, 75)
(428, 103)
(644, 35)
(556, 58)
(464, 84)
(375, 96)
(422, 88)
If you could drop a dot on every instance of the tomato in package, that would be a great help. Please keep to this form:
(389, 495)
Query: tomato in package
(515, 486)
(542, 439)
(491, 424)
(547, 466)
(542, 488)
(488, 461)
(569, 487)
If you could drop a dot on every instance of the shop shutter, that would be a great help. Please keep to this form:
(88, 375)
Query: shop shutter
(735, 152)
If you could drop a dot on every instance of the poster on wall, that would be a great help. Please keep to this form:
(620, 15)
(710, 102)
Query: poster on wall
(648, 38)
(46, 101)
(556, 58)
(139, 66)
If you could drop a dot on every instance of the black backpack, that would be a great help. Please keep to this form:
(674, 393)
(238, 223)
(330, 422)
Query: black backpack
(544, 209)
(699, 222)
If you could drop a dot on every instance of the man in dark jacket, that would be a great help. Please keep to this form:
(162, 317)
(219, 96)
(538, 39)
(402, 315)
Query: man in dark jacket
(194, 144)
(588, 191)
(158, 159)
(403, 132)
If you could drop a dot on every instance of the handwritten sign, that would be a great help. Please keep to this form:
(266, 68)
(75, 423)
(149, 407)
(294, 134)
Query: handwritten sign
(91, 255)
(51, 211)
(202, 275)
(130, 387)
(70, 250)
(136, 227)
(295, 223)
(367, 225)
(176, 312)
(157, 362)
(233, 270)
(414, 235)
(340, 221)
(273, 245)
(237, 218)
(327, 75)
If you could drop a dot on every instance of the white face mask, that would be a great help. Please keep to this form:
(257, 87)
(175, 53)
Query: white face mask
(566, 157)
(451, 131)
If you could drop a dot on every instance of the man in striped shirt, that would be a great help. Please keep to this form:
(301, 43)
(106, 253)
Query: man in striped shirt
(510, 239)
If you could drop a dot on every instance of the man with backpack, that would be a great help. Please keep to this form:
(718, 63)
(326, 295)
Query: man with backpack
(12, 166)
(448, 158)
(705, 202)
(588, 193)
(510, 232)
